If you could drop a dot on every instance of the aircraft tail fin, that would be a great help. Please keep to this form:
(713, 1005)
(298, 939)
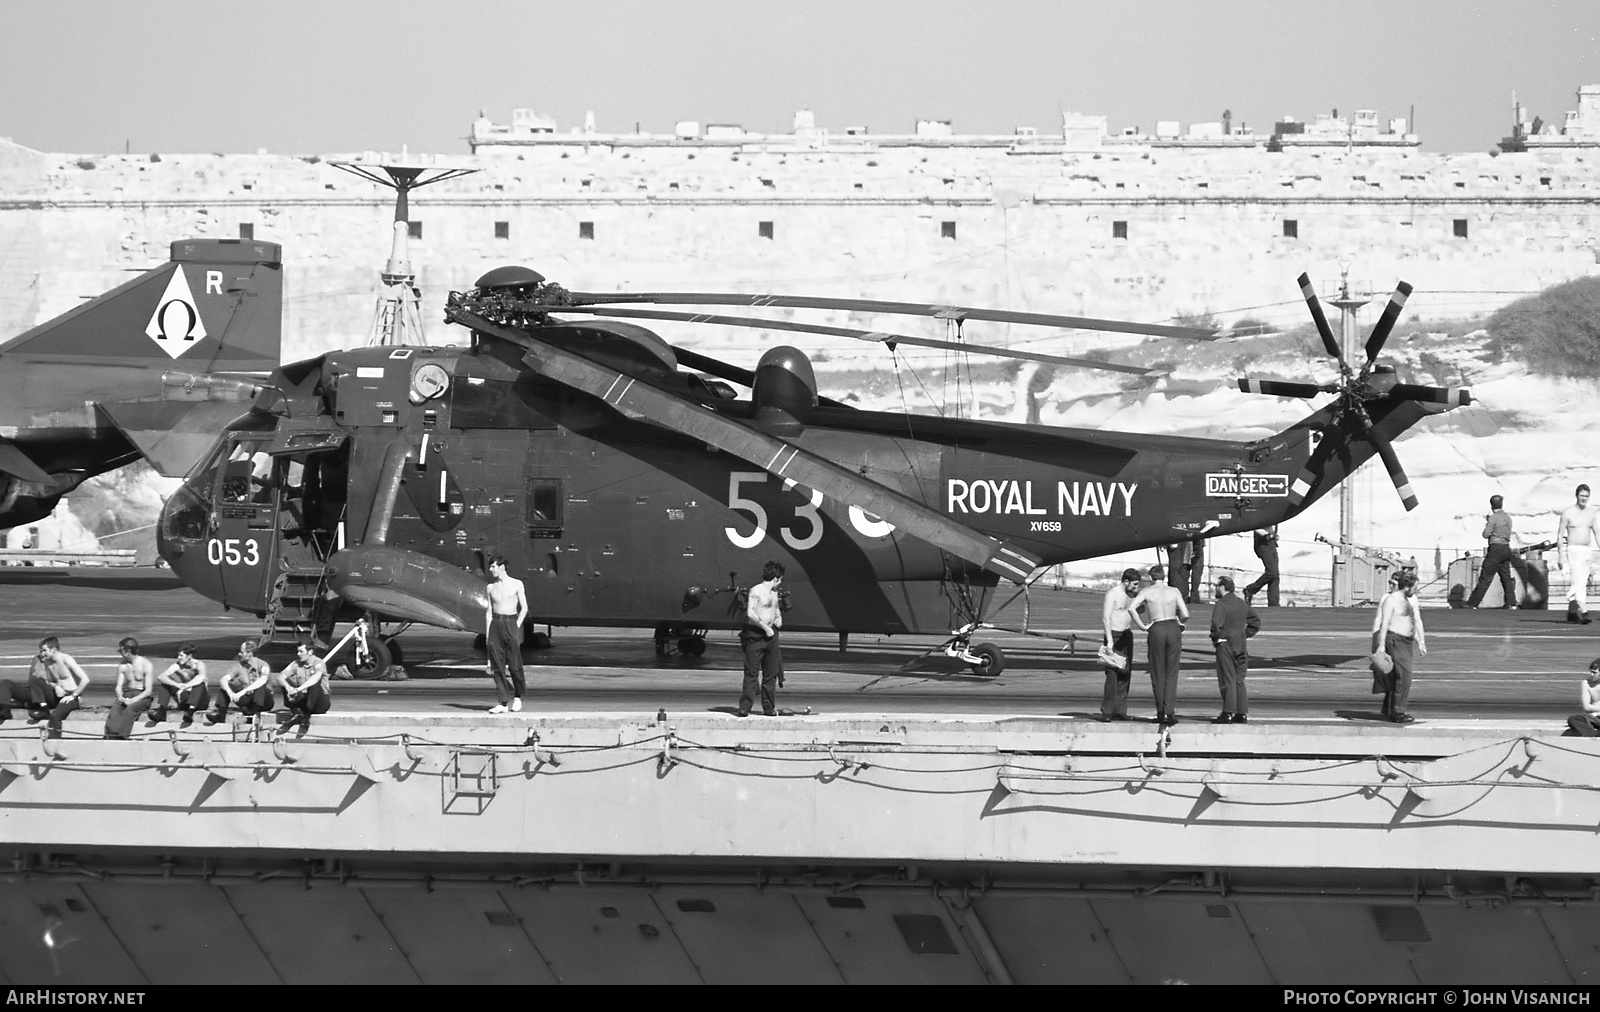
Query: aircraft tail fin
(215, 306)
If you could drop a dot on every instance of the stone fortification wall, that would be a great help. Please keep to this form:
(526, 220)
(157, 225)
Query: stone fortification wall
(1205, 231)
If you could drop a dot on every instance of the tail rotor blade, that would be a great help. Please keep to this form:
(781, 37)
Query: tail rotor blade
(1391, 313)
(1279, 388)
(1455, 397)
(1311, 473)
(1317, 317)
(1391, 462)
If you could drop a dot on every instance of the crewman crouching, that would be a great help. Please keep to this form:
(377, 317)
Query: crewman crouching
(182, 685)
(305, 687)
(244, 685)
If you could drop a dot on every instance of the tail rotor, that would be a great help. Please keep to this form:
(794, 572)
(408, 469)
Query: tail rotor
(1355, 392)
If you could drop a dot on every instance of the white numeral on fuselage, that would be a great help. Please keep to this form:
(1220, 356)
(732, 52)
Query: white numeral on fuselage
(809, 512)
(233, 552)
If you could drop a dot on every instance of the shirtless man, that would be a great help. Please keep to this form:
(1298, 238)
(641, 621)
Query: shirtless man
(508, 609)
(136, 686)
(61, 681)
(763, 657)
(1404, 640)
(1117, 624)
(1575, 538)
(184, 686)
(1168, 612)
(244, 685)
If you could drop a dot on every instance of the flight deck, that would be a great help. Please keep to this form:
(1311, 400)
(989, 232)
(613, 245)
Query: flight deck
(902, 819)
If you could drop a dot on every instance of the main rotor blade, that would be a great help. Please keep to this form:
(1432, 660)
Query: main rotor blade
(1391, 313)
(1391, 462)
(638, 400)
(1280, 388)
(1455, 397)
(1328, 340)
(876, 336)
(892, 308)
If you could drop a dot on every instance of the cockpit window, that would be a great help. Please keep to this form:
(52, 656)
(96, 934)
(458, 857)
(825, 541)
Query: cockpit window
(247, 475)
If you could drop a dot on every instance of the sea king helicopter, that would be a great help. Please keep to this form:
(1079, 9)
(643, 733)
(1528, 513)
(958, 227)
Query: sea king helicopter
(631, 483)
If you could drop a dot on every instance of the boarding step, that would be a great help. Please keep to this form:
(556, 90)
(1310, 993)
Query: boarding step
(296, 608)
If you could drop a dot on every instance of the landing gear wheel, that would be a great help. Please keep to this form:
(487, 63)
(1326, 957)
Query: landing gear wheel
(480, 643)
(991, 660)
(395, 653)
(373, 663)
(692, 646)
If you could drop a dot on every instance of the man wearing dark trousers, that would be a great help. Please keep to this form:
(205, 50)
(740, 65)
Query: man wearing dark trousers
(1497, 531)
(1118, 627)
(1266, 546)
(503, 617)
(763, 657)
(1167, 611)
(1232, 622)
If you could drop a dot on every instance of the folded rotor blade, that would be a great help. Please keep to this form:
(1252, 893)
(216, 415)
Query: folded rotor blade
(1391, 463)
(1455, 397)
(876, 336)
(636, 399)
(1280, 388)
(1391, 313)
(892, 308)
(1320, 320)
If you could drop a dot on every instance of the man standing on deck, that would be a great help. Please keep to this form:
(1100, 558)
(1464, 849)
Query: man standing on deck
(1117, 624)
(1167, 611)
(1266, 548)
(1497, 559)
(1400, 631)
(763, 657)
(1575, 537)
(1233, 621)
(508, 609)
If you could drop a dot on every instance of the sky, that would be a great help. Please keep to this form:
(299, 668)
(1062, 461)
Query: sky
(303, 77)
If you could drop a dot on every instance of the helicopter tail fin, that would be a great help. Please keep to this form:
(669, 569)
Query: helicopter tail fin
(215, 306)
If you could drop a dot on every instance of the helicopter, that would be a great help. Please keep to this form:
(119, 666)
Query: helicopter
(153, 368)
(630, 483)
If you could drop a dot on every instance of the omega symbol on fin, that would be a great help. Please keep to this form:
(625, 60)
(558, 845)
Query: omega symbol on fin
(176, 323)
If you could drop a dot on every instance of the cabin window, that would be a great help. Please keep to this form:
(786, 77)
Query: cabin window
(1461, 228)
(947, 230)
(585, 230)
(764, 229)
(1119, 230)
(1291, 228)
(414, 229)
(544, 507)
(502, 230)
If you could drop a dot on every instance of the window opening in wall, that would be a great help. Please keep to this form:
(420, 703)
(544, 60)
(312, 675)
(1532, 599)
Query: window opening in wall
(502, 230)
(585, 230)
(947, 230)
(1119, 230)
(764, 229)
(414, 229)
(1544, 180)
(247, 230)
(1291, 228)
(1461, 228)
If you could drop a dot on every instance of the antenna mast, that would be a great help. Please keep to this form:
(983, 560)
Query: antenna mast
(398, 316)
